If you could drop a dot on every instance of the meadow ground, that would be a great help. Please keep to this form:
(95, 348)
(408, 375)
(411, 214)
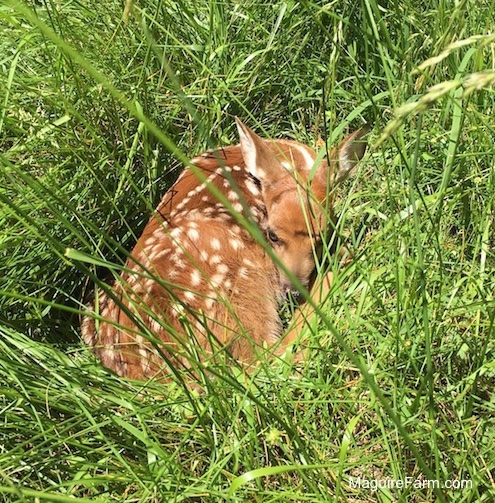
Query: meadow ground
(100, 104)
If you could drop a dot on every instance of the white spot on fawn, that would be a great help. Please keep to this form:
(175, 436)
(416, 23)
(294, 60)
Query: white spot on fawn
(195, 278)
(190, 296)
(243, 273)
(176, 232)
(150, 241)
(217, 280)
(215, 259)
(177, 309)
(182, 204)
(178, 262)
(222, 269)
(237, 207)
(155, 253)
(236, 244)
(225, 217)
(287, 165)
(155, 326)
(233, 195)
(252, 187)
(193, 234)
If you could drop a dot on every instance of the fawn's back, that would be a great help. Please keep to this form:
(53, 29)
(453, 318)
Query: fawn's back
(197, 281)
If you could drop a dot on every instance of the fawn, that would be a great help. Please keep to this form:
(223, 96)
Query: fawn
(197, 282)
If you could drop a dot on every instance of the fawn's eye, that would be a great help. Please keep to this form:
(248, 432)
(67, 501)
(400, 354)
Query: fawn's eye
(272, 236)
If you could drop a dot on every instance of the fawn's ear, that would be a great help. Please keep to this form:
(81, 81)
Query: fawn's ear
(343, 162)
(260, 160)
(350, 152)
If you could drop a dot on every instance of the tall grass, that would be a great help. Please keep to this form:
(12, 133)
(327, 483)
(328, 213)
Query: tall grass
(97, 116)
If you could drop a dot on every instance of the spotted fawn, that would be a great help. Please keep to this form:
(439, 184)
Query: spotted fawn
(199, 282)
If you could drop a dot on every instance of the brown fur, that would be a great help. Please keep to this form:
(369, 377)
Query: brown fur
(197, 282)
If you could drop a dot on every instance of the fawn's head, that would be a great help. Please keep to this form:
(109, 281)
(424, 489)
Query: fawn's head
(297, 193)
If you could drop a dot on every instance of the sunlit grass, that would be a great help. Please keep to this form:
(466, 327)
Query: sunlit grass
(96, 119)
